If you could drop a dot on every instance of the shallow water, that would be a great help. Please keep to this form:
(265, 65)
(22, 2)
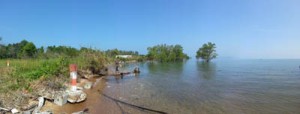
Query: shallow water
(220, 87)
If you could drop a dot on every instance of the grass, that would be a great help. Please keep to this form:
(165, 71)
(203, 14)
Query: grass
(23, 75)
(31, 75)
(23, 72)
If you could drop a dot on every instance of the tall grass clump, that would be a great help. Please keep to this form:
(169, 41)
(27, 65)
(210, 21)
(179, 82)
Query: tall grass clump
(22, 72)
(90, 59)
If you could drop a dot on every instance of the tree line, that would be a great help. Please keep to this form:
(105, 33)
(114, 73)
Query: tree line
(161, 53)
(26, 49)
(114, 52)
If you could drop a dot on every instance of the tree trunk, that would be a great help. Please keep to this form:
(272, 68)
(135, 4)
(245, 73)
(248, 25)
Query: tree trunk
(207, 60)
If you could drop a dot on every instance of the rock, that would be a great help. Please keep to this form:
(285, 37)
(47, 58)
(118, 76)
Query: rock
(61, 99)
(32, 104)
(76, 96)
(88, 85)
(41, 102)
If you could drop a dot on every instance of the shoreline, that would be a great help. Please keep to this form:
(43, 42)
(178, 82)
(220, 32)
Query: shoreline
(94, 101)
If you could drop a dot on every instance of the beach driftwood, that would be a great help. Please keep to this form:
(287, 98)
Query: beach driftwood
(143, 108)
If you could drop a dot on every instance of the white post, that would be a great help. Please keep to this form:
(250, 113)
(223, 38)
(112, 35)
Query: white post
(73, 74)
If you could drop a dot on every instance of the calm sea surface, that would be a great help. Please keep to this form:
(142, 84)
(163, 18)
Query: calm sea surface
(220, 87)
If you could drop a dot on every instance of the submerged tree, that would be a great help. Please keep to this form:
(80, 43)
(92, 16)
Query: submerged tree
(207, 52)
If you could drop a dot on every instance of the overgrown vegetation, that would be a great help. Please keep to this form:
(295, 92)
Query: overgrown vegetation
(21, 73)
(29, 63)
(166, 53)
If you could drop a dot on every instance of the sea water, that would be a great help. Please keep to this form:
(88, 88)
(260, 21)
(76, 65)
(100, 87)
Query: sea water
(219, 87)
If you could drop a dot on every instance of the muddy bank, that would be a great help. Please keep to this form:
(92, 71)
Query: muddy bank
(93, 101)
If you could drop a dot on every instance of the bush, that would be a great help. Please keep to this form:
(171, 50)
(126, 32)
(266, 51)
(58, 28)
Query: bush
(48, 68)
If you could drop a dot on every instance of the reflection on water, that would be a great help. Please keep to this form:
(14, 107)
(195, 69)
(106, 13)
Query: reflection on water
(230, 87)
(207, 70)
(172, 68)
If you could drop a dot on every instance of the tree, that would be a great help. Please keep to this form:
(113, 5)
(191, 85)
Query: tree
(19, 49)
(207, 52)
(166, 53)
(29, 50)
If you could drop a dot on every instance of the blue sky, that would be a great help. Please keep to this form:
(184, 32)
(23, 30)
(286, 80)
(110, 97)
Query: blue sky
(240, 28)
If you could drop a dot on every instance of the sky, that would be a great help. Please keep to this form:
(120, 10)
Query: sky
(261, 29)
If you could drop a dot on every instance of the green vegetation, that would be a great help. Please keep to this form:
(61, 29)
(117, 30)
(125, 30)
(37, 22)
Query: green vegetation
(166, 53)
(207, 52)
(114, 52)
(24, 49)
(29, 50)
(29, 64)
(21, 72)
(135, 55)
